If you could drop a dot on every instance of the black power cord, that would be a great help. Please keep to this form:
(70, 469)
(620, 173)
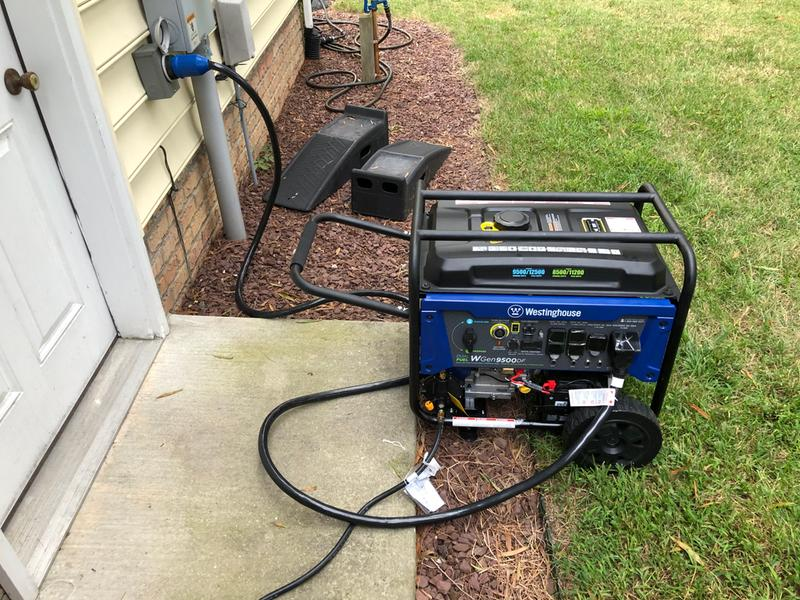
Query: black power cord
(332, 42)
(241, 278)
(355, 518)
(361, 517)
(370, 387)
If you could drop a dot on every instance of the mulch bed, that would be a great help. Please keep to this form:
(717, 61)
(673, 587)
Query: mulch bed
(497, 553)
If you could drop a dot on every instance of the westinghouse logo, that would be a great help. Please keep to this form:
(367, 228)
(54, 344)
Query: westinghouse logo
(515, 311)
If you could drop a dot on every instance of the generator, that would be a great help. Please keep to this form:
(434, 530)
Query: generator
(549, 299)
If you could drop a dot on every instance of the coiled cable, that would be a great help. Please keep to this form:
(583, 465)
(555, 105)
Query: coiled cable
(334, 43)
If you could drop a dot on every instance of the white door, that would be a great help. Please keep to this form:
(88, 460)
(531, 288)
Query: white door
(55, 327)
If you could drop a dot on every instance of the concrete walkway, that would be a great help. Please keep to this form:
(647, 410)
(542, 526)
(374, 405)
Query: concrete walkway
(182, 509)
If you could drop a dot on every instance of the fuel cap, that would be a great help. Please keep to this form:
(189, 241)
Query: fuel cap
(512, 219)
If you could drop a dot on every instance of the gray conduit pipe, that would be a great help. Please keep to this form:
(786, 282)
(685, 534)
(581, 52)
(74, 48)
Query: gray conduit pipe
(205, 93)
(240, 104)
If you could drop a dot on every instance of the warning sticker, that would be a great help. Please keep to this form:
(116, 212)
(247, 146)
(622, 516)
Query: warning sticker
(553, 221)
(592, 397)
(191, 26)
(622, 225)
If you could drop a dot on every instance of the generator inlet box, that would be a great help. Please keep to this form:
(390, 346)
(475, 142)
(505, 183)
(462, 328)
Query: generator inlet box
(186, 21)
(147, 59)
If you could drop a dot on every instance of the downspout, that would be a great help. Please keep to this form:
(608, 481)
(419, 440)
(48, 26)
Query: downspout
(216, 140)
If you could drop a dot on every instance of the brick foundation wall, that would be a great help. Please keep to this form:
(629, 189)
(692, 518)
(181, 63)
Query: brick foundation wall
(196, 200)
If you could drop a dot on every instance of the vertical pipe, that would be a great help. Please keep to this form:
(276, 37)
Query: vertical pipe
(245, 133)
(205, 93)
(308, 19)
(375, 48)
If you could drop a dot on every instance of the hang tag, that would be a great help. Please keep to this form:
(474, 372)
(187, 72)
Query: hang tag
(431, 470)
(592, 397)
(423, 493)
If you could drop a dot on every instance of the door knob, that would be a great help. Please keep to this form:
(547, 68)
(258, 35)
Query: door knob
(15, 82)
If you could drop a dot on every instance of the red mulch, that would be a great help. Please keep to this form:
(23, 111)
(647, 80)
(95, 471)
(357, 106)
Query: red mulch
(497, 553)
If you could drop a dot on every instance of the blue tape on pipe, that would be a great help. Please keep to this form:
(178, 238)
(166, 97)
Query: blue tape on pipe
(187, 65)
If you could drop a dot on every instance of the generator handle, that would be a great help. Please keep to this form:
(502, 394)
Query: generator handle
(684, 300)
(303, 249)
(647, 194)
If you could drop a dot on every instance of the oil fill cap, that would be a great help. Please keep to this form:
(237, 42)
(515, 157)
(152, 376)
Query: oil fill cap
(512, 220)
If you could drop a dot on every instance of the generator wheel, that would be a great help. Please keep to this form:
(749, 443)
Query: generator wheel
(631, 437)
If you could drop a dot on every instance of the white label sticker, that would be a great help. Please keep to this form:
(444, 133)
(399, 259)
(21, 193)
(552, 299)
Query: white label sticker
(423, 493)
(431, 470)
(485, 422)
(592, 397)
(622, 225)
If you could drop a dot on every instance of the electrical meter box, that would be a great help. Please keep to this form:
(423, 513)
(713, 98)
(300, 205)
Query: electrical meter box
(185, 21)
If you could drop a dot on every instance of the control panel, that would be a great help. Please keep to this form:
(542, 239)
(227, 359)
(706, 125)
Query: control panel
(626, 336)
(543, 344)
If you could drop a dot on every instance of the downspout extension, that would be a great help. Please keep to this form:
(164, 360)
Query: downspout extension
(312, 37)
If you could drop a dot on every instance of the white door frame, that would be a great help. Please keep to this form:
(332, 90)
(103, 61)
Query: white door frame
(51, 43)
(14, 577)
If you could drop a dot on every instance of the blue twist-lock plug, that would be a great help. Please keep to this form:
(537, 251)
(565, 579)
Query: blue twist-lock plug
(178, 66)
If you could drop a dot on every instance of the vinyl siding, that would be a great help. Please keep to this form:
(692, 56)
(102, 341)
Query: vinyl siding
(113, 29)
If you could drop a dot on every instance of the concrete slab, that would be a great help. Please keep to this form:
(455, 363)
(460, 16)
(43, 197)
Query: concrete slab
(182, 508)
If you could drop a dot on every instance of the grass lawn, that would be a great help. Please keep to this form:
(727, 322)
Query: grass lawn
(702, 98)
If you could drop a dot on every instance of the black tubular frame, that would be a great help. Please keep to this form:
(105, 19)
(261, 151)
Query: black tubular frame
(647, 194)
(304, 247)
